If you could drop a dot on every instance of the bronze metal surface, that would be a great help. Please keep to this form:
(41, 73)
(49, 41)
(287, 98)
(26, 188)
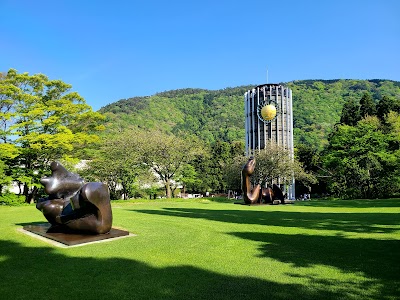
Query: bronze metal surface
(253, 195)
(74, 204)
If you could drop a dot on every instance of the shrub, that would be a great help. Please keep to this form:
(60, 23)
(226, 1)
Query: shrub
(12, 199)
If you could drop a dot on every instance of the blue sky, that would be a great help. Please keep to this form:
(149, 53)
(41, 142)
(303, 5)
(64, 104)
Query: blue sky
(111, 50)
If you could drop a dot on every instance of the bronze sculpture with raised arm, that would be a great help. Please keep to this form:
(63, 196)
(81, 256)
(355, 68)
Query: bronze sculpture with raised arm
(255, 194)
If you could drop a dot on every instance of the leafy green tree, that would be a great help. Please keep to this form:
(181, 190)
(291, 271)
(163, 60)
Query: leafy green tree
(350, 113)
(308, 156)
(7, 152)
(189, 178)
(311, 160)
(6, 109)
(386, 105)
(118, 162)
(211, 166)
(367, 105)
(390, 183)
(167, 155)
(362, 161)
(220, 154)
(232, 172)
(45, 121)
(393, 119)
(273, 164)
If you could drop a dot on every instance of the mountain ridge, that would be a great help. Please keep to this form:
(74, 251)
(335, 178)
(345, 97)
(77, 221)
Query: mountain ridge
(219, 114)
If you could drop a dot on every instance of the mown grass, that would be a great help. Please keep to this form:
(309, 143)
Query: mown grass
(205, 249)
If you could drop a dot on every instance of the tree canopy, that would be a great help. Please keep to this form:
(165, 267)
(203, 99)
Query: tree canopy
(42, 120)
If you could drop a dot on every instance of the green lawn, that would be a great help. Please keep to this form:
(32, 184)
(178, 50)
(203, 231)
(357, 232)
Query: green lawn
(202, 249)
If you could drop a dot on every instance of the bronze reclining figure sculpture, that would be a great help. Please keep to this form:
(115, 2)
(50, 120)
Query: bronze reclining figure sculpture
(73, 205)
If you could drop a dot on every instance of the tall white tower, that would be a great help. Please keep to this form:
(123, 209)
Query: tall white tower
(269, 117)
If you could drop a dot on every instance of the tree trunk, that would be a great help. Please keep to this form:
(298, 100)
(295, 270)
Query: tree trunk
(29, 197)
(168, 189)
(173, 190)
(26, 193)
(124, 191)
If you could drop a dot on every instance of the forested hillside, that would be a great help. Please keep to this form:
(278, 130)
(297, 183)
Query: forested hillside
(219, 115)
(360, 157)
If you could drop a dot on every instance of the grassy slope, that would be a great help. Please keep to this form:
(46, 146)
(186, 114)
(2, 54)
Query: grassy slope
(209, 250)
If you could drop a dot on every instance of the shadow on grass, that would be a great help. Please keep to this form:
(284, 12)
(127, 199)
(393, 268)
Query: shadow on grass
(349, 222)
(377, 259)
(41, 272)
(373, 258)
(363, 203)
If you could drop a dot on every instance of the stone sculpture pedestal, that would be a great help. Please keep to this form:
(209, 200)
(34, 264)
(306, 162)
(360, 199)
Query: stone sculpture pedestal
(72, 238)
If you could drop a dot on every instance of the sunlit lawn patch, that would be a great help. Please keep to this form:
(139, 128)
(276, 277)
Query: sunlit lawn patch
(202, 249)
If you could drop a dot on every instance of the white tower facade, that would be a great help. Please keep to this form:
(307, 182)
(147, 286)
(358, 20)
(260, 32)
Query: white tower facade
(276, 128)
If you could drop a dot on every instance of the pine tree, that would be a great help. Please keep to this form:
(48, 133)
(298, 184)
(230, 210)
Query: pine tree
(367, 106)
(385, 105)
(350, 113)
